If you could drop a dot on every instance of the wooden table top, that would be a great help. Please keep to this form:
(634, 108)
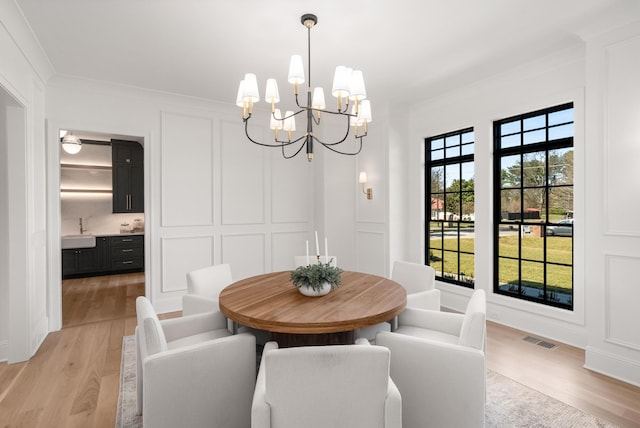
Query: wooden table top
(271, 302)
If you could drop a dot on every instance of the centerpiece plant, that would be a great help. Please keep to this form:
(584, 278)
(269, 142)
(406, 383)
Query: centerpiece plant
(315, 275)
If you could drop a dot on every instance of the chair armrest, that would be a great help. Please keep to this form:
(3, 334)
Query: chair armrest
(393, 406)
(205, 384)
(260, 409)
(430, 374)
(195, 304)
(176, 328)
(447, 322)
(362, 341)
(428, 299)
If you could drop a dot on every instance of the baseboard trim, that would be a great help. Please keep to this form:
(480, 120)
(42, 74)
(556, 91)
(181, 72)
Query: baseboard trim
(608, 364)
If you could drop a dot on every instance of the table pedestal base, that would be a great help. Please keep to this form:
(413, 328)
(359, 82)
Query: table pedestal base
(288, 340)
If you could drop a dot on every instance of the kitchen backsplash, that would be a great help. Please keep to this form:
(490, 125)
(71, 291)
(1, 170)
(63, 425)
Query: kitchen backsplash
(97, 218)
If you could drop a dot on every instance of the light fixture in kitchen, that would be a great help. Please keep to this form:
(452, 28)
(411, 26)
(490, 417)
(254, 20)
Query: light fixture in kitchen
(348, 88)
(71, 144)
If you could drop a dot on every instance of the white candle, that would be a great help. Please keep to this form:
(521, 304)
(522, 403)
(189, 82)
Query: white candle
(326, 251)
(307, 252)
(317, 245)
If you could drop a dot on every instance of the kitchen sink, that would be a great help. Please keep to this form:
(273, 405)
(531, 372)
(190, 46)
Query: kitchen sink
(78, 241)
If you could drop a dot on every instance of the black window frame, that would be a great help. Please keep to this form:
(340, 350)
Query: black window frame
(460, 159)
(548, 297)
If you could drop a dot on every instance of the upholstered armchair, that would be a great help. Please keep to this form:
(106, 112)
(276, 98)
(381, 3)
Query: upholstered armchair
(203, 288)
(192, 372)
(325, 386)
(419, 282)
(438, 364)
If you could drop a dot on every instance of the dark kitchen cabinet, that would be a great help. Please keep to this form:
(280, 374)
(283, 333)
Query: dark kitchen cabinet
(77, 261)
(127, 252)
(112, 254)
(128, 176)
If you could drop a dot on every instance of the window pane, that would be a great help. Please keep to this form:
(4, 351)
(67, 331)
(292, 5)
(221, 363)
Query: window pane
(534, 136)
(451, 174)
(437, 144)
(510, 171)
(510, 141)
(453, 152)
(508, 275)
(559, 280)
(437, 179)
(533, 245)
(561, 166)
(532, 279)
(510, 204)
(452, 201)
(453, 140)
(534, 204)
(468, 206)
(467, 137)
(508, 241)
(450, 241)
(467, 149)
(467, 173)
(534, 170)
(510, 127)
(435, 234)
(437, 206)
(559, 250)
(560, 203)
(467, 271)
(450, 270)
(562, 131)
(562, 116)
(437, 155)
(535, 122)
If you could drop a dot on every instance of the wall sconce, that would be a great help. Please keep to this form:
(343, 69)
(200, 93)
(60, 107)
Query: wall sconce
(363, 180)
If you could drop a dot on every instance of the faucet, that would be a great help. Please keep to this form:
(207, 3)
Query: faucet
(82, 229)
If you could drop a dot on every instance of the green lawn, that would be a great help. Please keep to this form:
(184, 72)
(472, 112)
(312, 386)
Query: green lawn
(559, 253)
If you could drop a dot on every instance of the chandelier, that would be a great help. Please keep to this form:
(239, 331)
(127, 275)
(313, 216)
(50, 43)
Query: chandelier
(348, 87)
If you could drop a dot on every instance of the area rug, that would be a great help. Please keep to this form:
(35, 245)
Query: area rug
(509, 404)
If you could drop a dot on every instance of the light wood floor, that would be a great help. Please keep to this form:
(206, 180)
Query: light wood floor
(73, 379)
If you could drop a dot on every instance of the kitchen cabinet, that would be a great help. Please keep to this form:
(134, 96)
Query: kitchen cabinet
(112, 254)
(128, 176)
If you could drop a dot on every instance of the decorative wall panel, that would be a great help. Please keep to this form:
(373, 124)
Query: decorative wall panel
(622, 137)
(371, 252)
(242, 175)
(622, 298)
(245, 253)
(181, 255)
(187, 170)
(286, 245)
(291, 189)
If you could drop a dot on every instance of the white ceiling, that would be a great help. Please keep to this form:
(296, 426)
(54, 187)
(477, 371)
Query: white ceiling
(407, 49)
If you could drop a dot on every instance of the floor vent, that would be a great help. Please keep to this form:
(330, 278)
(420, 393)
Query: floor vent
(539, 342)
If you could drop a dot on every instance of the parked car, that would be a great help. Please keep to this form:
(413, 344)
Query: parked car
(562, 228)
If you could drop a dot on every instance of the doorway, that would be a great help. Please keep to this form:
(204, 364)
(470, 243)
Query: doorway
(103, 271)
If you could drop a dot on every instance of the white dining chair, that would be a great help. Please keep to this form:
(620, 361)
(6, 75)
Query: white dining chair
(203, 288)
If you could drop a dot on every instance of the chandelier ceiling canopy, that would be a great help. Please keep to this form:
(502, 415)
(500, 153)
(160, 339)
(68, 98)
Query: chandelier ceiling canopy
(348, 88)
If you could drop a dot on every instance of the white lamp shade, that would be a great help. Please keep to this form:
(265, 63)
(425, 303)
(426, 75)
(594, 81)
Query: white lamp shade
(289, 121)
(363, 178)
(276, 119)
(341, 79)
(318, 99)
(250, 88)
(71, 144)
(364, 112)
(356, 87)
(239, 101)
(271, 92)
(296, 72)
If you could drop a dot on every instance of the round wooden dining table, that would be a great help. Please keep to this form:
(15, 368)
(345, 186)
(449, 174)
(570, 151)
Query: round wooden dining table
(270, 302)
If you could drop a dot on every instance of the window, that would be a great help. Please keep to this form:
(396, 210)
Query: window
(449, 206)
(533, 206)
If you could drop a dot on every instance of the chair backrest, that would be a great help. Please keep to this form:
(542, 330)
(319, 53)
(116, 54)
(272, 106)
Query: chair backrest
(209, 281)
(326, 386)
(413, 277)
(149, 328)
(302, 260)
(474, 325)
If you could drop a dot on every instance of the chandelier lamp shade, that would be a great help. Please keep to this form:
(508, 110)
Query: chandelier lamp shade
(348, 88)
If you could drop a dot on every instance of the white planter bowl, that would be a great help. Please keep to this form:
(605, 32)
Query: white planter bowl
(308, 291)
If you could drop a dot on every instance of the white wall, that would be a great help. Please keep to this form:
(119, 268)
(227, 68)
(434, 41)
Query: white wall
(613, 200)
(606, 245)
(23, 72)
(5, 101)
(210, 195)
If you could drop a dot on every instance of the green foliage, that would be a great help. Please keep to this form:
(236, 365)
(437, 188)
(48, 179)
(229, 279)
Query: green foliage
(314, 275)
